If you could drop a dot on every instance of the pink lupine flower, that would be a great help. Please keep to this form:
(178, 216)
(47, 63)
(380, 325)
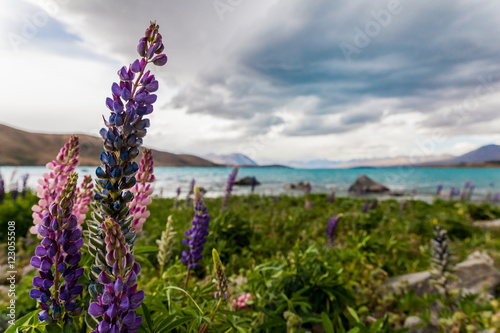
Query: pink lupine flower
(241, 303)
(82, 199)
(142, 191)
(52, 183)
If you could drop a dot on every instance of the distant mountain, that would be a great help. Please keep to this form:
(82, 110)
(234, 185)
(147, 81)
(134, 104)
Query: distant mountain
(394, 161)
(489, 153)
(231, 159)
(313, 164)
(24, 148)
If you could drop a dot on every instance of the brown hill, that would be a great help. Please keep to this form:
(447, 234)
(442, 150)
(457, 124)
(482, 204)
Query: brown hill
(24, 148)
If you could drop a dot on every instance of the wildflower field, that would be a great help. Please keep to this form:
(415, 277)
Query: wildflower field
(102, 255)
(279, 255)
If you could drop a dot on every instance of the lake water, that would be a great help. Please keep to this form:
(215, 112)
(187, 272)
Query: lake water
(421, 181)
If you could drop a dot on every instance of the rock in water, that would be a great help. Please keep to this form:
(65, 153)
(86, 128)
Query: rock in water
(245, 181)
(366, 185)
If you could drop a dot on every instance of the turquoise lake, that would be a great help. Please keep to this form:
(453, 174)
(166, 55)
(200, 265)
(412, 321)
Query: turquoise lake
(421, 182)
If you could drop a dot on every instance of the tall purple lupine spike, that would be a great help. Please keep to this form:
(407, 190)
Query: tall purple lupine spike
(365, 206)
(374, 204)
(51, 184)
(439, 189)
(196, 236)
(120, 298)
(24, 185)
(2, 189)
(331, 226)
(229, 187)
(132, 99)
(57, 258)
(142, 191)
(14, 192)
(331, 198)
(190, 192)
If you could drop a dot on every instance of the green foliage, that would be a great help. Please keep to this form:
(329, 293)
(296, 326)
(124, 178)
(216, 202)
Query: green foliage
(278, 253)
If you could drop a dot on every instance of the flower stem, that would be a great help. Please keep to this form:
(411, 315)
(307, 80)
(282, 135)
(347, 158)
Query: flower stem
(187, 277)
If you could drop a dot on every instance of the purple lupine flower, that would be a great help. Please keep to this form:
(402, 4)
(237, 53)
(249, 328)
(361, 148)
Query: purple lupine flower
(132, 99)
(120, 297)
(374, 204)
(331, 226)
(196, 236)
(2, 189)
(308, 188)
(142, 191)
(331, 197)
(469, 192)
(452, 192)
(57, 258)
(24, 185)
(365, 206)
(14, 192)
(178, 191)
(496, 198)
(190, 192)
(51, 184)
(439, 189)
(229, 187)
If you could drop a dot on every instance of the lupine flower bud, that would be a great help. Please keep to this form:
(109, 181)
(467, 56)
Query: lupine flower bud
(165, 243)
(220, 276)
(442, 273)
(60, 248)
(229, 187)
(293, 322)
(196, 236)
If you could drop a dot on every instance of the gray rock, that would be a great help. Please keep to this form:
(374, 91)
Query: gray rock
(474, 273)
(487, 224)
(301, 186)
(412, 321)
(366, 185)
(246, 181)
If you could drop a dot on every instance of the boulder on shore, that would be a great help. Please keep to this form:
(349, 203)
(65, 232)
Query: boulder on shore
(302, 186)
(474, 273)
(246, 181)
(366, 185)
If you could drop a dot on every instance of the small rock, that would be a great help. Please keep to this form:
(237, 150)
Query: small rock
(412, 321)
(302, 186)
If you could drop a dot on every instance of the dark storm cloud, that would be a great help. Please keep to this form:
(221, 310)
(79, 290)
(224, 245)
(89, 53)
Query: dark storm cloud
(425, 56)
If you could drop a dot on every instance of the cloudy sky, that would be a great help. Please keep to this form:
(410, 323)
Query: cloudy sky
(277, 80)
